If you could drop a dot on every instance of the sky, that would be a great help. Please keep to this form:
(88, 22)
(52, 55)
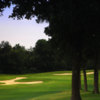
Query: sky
(25, 32)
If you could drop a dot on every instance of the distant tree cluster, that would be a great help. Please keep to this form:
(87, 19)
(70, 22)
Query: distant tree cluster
(42, 58)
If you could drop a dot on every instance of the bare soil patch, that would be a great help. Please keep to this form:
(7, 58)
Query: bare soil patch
(13, 81)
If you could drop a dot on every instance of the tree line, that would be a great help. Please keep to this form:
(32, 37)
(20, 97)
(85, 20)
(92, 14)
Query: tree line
(41, 58)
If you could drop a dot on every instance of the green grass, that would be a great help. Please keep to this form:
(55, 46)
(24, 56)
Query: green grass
(53, 88)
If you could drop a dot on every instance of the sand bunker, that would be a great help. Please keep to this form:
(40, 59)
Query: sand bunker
(13, 81)
(64, 74)
(71, 73)
(90, 73)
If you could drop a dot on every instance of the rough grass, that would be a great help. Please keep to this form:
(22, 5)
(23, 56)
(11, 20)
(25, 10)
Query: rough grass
(53, 88)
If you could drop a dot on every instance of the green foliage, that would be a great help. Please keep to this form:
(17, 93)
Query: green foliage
(12, 60)
(42, 58)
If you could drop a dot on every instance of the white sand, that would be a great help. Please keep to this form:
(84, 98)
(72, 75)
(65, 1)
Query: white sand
(13, 81)
(90, 73)
(71, 73)
(64, 74)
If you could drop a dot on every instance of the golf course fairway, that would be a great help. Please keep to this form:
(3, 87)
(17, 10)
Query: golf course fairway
(51, 86)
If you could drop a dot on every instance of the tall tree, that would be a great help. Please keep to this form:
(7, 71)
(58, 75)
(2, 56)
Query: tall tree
(5, 51)
(19, 57)
(44, 59)
(96, 62)
(93, 54)
(85, 80)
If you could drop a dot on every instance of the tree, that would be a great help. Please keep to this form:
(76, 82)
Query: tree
(5, 51)
(12, 60)
(19, 59)
(96, 58)
(44, 59)
(85, 80)
(93, 54)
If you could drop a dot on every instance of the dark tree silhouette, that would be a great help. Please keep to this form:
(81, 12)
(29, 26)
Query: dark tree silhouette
(5, 51)
(44, 59)
(93, 54)
(85, 80)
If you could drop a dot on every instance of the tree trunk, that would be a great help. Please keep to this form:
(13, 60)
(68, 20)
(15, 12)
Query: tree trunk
(96, 77)
(76, 84)
(85, 80)
(96, 82)
(80, 82)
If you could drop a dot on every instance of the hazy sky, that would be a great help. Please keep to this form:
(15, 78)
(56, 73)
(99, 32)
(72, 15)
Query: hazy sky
(25, 32)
